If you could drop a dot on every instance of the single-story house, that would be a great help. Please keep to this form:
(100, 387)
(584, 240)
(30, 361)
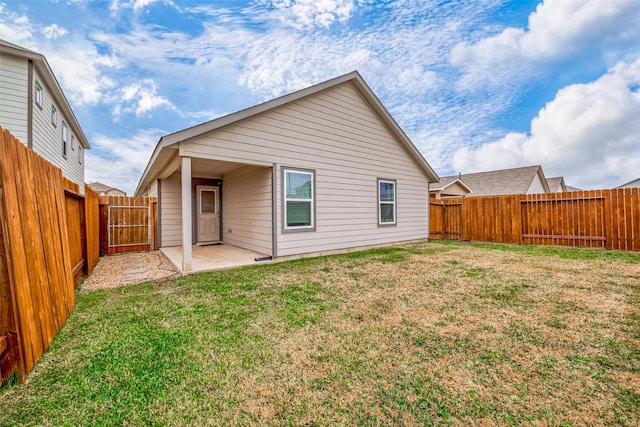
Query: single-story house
(449, 187)
(105, 190)
(524, 180)
(322, 170)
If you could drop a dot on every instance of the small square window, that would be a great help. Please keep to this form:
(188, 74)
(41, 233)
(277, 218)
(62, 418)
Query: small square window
(54, 116)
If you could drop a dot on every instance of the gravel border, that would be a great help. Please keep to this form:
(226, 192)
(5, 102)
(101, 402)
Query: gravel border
(113, 271)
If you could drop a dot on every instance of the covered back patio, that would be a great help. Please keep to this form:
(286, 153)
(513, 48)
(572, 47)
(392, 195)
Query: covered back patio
(214, 257)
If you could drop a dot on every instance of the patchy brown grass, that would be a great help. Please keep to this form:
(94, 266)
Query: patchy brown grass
(427, 334)
(462, 336)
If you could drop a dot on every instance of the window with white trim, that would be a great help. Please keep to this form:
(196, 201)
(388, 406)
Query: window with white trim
(299, 199)
(65, 139)
(73, 143)
(39, 95)
(386, 202)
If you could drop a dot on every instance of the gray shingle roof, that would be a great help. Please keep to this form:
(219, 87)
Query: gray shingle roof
(556, 184)
(500, 182)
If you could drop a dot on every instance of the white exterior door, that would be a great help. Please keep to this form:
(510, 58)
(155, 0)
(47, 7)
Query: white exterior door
(208, 214)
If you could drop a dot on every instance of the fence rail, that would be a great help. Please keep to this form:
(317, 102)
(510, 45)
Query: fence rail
(595, 218)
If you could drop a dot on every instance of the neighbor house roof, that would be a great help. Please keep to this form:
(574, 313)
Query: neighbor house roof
(630, 184)
(41, 64)
(448, 181)
(353, 77)
(502, 182)
(99, 187)
(556, 184)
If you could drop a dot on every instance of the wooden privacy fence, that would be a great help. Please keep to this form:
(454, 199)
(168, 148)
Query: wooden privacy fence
(37, 254)
(48, 235)
(595, 218)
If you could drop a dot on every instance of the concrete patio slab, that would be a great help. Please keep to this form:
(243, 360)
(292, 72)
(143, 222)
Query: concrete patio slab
(207, 258)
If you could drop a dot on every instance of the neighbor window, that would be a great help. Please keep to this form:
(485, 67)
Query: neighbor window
(65, 139)
(73, 143)
(79, 154)
(39, 95)
(299, 194)
(386, 202)
(54, 116)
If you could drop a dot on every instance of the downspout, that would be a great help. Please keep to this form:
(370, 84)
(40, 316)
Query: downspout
(274, 211)
(30, 104)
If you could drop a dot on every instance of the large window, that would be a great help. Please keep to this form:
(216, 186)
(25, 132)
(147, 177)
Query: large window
(386, 202)
(299, 195)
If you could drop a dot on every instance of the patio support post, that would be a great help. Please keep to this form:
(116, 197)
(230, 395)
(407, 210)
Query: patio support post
(187, 218)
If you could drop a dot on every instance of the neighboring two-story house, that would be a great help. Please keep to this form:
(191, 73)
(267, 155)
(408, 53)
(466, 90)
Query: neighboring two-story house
(34, 109)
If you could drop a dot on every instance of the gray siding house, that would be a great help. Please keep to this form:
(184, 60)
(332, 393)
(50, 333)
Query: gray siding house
(34, 109)
(325, 169)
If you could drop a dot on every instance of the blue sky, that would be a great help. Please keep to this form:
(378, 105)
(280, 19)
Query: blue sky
(476, 84)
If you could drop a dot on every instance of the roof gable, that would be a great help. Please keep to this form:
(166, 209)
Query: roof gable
(556, 184)
(160, 157)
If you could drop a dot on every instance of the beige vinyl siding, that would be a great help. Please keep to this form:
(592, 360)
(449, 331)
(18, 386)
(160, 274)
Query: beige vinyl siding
(338, 135)
(246, 206)
(47, 138)
(14, 96)
(536, 186)
(152, 191)
(171, 211)
(454, 190)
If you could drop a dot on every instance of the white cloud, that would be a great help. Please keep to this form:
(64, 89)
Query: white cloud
(79, 67)
(313, 13)
(16, 28)
(119, 162)
(589, 134)
(54, 31)
(136, 5)
(556, 30)
(76, 62)
(140, 98)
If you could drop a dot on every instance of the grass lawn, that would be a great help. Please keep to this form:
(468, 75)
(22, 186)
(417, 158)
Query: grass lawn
(426, 334)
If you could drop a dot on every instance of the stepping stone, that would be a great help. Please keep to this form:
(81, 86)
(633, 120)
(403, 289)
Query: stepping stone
(134, 277)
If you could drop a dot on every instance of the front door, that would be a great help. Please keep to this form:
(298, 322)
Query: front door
(208, 214)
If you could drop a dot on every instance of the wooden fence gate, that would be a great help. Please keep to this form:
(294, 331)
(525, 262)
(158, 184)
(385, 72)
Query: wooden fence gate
(128, 224)
(446, 221)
